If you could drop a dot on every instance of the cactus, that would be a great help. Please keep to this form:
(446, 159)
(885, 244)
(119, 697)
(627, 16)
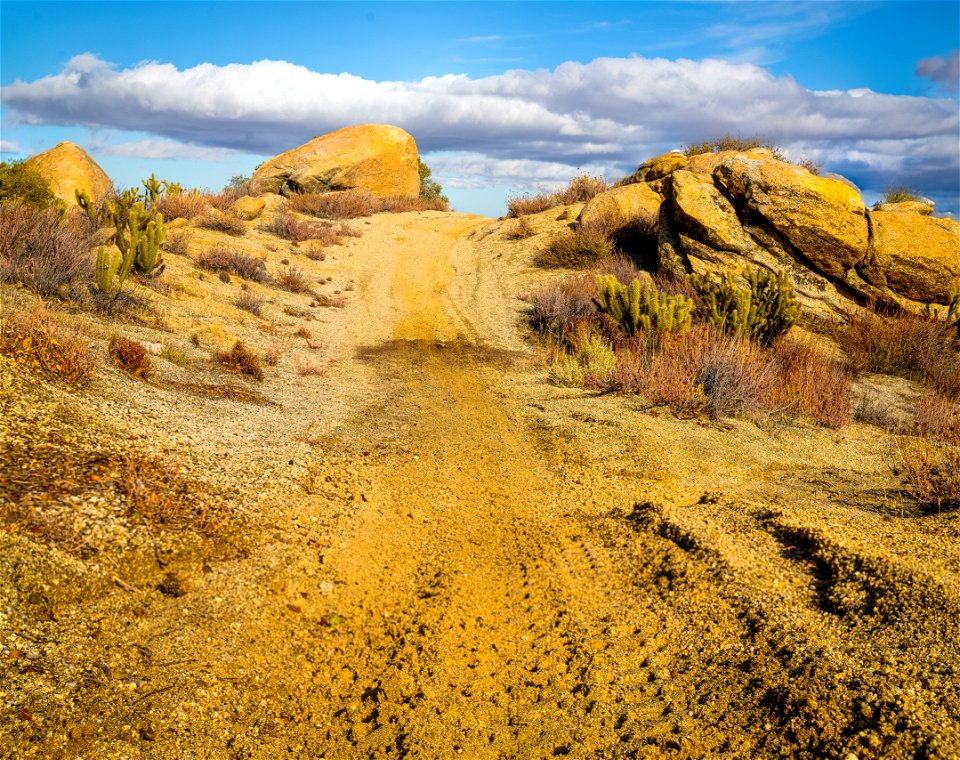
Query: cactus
(86, 203)
(139, 232)
(112, 270)
(651, 313)
(953, 312)
(154, 189)
(764, 311)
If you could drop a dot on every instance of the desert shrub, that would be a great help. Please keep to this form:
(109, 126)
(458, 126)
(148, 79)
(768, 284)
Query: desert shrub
(591, 360)
(900, 194)
(223, 222)
(310, 366)
(240, 359)
(702, 371)
(431, 190)
(333, 302)
(238, 185)
(38, 343)
(176, 243)
(908, 345)
(346, 204)
(398, 204)
(240, 264)
(810, 383)
(271, 357)
(522, 205)
(294, 280)
(575, 249)
(130, 356)
(345, 230)
(733, 142)
(21, 184)
(222, 201)
(180, 205)
(558, 306)
(937, 417)
(289, 227)
(932, 474)
(646, 311)
(173, 355)
(40, 250)
(810, 165)
(315, 252)
(521, 230)
(763, 312)
(249, 301)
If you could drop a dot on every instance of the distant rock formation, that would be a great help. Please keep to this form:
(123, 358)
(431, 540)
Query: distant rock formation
(375, 157)
(718, 211)
(68, 168)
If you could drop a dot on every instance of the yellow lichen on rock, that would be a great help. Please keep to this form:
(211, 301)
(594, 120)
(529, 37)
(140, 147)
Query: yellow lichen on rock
(376, 157)
(69, 168)
(247, 207)
(916, 256)
(624, 202)
(824, 219)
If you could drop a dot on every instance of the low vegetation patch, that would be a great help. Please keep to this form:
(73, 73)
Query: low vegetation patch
(914, 346)
(932, 474)
(223, 222)
(580, 248)
(181, 206)
(581, 189)
(240, 264)
(290, 227)
(130, 355)
(249, 301)
(42, 250)
(37, 343)
(346, 204)
(240, 359)
(733, 142)
(294, 280)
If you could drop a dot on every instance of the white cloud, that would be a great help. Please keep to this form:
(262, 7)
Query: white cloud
(161, 150)
(10, 146)
(610, 112)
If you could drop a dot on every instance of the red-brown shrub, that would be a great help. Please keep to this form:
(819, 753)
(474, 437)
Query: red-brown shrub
(37, 343)
(240, 359)
(810, 383)
(932, 474)
(937, 417)
(181, 206)
(130, 356)
(345, 204)
(223, 222)
(290, 227)
(242, 265)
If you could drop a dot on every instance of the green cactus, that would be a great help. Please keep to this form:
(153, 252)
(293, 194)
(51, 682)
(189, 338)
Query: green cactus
(140, 232)
(112, 270)
(86, 203)
(651, 312)
(154, 189)
(764, 311)
(171, 188)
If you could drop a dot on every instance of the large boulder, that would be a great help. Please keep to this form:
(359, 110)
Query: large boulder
(375, 157)
(69, 168)
(624, 203)
(723, 211)
(822, 219)
(914, 255)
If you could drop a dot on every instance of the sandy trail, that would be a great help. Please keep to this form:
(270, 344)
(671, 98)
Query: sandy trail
(469, 562)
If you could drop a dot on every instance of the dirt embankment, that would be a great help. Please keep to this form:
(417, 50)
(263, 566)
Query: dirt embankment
(444, 556)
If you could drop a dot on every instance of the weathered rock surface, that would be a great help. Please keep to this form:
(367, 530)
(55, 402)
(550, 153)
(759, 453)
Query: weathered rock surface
(68, 168)
(247, 207)
(624, 202)
(375, 157)
(725, 210)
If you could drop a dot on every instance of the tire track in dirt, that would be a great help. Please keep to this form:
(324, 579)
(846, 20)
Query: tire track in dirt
(491, 625)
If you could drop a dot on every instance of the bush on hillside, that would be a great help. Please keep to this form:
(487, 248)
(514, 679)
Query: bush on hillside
(40, 249)
(21, 184)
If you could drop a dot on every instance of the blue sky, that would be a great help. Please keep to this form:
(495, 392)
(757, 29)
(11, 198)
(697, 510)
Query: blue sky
(503, 98)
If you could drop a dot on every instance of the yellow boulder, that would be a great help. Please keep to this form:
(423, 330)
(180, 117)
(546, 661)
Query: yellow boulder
(914, 255)
(823, 219)
(247, 207)
(376, 157)
(69, 168)
(623, 202)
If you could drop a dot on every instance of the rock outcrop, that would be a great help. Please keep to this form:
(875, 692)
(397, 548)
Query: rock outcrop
(375, 157)
(729, 209)
(68, 168)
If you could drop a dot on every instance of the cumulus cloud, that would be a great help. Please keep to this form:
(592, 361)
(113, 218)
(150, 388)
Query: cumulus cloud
(942, 69)
(10, 146)
(610, 112)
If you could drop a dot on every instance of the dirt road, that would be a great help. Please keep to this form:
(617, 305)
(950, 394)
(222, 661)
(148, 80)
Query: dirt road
(459, 560)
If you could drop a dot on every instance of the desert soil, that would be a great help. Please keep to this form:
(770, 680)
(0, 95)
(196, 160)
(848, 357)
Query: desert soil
(430, 552)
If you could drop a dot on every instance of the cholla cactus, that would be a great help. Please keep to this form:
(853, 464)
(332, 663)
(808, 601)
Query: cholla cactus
(139, 232)
(86, 203)
(112, 270)
(649, 312)
(763, 312)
